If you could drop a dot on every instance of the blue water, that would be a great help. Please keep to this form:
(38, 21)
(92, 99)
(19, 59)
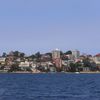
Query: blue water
(54, 86)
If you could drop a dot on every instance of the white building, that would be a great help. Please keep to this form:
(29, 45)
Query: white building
(97, 59)
(24, 64)
(2, 60)
(76, 54)
(56, 53)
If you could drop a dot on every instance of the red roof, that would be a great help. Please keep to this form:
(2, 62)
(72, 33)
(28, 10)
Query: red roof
(97, 55)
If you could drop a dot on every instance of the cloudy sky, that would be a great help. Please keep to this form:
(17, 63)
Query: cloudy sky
(43, 25)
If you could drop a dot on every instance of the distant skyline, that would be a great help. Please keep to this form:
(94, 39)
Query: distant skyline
(43, 25)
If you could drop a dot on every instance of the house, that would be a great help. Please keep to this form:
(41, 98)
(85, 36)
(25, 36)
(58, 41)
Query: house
(70, 56)
(97, 59)
(2, 60)
(24, 65)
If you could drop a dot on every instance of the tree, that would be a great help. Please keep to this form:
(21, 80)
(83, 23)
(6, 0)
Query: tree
(68, 52)
(61, 53)
(14, 67)
(4, 54)
(32, 56)
(38, 55)
(72, 67)
(50, 54)
(22, 55)
(93, 66)
(16, 53)
(78, 64)
(86, 62)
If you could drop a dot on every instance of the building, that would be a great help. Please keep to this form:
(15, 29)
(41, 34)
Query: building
(56, 53)
(76, 54)
(24, 65)
(97, 59)
(56, 58)
(70, 56)
(2, 60)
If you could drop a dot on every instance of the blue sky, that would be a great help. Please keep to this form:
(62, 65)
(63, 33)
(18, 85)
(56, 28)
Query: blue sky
(43, 25)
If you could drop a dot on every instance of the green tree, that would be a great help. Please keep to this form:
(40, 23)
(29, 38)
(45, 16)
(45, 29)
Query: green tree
(32, 56)
(38, 56)
(72, 67)
(16, 53)
(22, 55)
(86, 62)
(68, 52)
(14, 67)
(61, 53)
(50, 54)
(4, 54)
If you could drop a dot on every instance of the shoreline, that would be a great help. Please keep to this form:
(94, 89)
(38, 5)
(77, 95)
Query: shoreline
(26, 72)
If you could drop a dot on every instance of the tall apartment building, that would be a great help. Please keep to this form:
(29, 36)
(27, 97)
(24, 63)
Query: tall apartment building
(56, 58)
(56, 53)
(76, 54)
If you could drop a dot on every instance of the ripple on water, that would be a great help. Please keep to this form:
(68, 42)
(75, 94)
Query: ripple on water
(49, 87)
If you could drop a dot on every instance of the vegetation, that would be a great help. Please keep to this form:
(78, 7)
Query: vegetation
(14, 58)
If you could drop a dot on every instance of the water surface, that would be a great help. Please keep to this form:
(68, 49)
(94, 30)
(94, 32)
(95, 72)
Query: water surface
(51, 86)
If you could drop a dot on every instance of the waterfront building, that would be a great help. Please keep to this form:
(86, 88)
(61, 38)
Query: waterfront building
(24, 65)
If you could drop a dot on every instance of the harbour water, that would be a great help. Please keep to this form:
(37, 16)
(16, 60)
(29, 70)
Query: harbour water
(50, 86)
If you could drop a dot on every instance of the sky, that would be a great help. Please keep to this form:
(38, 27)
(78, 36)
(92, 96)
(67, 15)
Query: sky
(43, 25)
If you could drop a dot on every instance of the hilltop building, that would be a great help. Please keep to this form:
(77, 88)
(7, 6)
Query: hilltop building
(76, 54)
(56, 58)
(56, 53)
